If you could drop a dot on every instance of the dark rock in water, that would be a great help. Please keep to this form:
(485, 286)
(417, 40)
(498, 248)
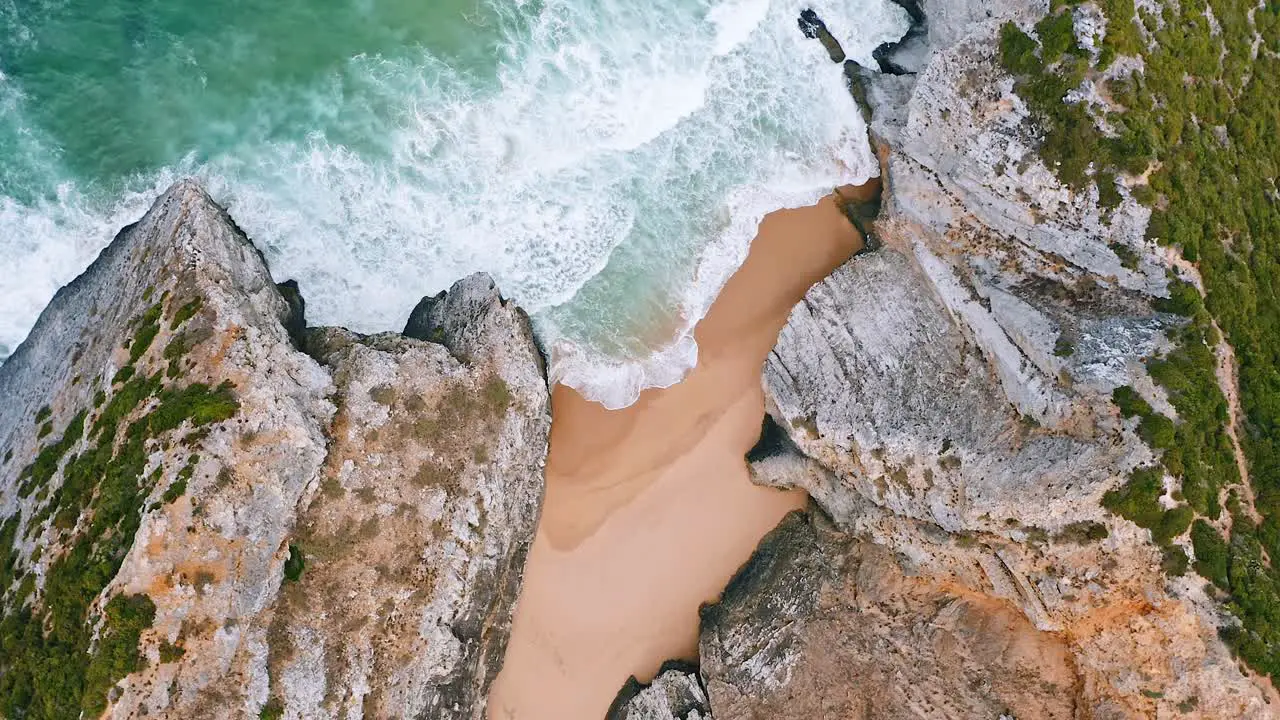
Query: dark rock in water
(858, 88)
(675, 694)
(906, 56)
(810, 24)
(295, 322)
(813, 27)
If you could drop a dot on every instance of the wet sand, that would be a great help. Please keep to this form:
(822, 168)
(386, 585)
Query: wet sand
(649, 510)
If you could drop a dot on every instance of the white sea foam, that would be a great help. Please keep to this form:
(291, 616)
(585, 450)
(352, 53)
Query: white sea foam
(610, 177)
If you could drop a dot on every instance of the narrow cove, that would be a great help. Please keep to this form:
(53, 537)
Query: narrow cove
(649, 510)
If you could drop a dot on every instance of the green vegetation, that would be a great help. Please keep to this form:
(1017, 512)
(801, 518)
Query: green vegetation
(294, 566)
(179, 486)
(186, 312)
(1139, 500)
(273, 710)
(148, 328)
(1206, 109)
(1128, 258)
(47, 669)
(174, 491)
(1082, 533)
(170, 653)
(497, 393)
(117, 655)
(383, 394)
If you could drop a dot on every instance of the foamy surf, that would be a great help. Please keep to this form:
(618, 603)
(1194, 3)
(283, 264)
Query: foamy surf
(609, 171)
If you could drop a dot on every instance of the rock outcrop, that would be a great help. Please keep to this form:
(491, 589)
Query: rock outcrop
(949, 401)
(819, 624)
(675, 694)
(215, 523)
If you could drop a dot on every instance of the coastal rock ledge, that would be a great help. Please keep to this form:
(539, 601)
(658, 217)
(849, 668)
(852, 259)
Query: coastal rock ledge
(201, 519)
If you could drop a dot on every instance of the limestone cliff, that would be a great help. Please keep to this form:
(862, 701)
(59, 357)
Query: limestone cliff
(206, 521)
(950, 400)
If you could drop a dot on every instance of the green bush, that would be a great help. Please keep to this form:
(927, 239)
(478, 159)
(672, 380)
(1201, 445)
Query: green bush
(1056, 36)
(149, 327)
(273, 710)
(117, 653)
(1018, 51)
(1211, 553)
(294, 565)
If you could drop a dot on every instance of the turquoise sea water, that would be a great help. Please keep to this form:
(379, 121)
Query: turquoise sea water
(606, 161)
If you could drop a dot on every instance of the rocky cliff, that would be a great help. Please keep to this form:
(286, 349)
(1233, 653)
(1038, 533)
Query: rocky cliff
(948, 403)
(209, 509)
(202, 519)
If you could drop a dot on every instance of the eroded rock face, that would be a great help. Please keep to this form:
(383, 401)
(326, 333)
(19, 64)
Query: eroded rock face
(950, 395)
(675, 694)
(821, 625)
(190, 455)
(428, 502)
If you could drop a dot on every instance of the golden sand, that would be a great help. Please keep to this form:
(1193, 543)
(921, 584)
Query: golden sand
(649, 510)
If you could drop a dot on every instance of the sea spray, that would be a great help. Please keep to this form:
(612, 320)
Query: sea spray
(608, 162)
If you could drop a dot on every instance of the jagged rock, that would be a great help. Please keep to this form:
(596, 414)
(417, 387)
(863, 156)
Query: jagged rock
(397, 480)
(813, 27)
(819, 624)
(427, 506)
(906, 56)
(675, 694)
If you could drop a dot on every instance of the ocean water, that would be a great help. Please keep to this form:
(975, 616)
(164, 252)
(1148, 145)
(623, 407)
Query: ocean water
(606, 161)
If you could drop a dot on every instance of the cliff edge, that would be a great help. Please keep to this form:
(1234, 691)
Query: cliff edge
(201, 519)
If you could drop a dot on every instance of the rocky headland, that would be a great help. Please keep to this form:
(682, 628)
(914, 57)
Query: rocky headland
(317, 524)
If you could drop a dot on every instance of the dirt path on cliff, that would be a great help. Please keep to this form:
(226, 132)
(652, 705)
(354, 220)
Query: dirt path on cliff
(650, 510)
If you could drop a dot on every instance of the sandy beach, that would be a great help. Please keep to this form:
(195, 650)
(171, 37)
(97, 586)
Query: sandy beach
(650, 510)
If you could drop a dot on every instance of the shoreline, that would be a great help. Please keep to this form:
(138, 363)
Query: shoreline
(649, 510)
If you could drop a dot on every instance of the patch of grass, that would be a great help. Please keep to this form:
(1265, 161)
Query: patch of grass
(176, 490)
(434, 473)
(273, 710)
(1082, 533)
(42, 469)
(497, 393)
(1128, 258)
(1174, 561)
(186, 312)
(148, 328)
(383, 395)
(122, 375)
(1211, 554)
(1063, 347)
(170, 653)
(1138, 500)
(117, 653)
(197, 403)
